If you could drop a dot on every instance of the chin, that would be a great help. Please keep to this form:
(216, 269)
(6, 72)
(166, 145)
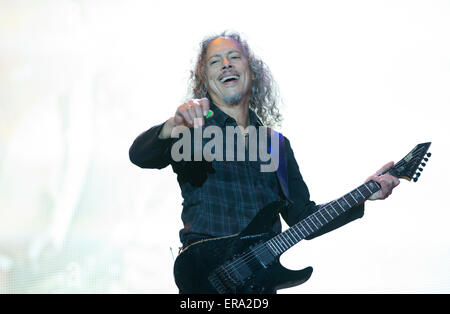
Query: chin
(232, 99)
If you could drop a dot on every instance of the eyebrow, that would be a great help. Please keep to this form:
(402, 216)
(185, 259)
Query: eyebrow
(229, 52)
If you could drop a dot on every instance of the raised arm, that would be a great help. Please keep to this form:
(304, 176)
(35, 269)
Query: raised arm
(151, 149)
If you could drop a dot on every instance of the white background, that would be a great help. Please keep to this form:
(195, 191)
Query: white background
(362, 83)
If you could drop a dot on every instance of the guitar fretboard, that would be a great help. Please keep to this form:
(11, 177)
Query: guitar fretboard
(314, 222)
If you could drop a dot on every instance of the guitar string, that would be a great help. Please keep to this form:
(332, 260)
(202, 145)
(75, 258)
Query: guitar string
(249, 257)
(251, 260)
(283, 235)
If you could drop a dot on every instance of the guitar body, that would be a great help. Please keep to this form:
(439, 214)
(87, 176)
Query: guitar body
(228, 265)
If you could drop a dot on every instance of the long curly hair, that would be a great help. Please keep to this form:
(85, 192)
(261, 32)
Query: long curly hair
(264, 96)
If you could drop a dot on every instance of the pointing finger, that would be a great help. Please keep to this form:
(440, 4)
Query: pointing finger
(204, 103)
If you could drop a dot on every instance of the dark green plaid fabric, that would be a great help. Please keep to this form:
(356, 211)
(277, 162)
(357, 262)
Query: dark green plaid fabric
(221, 197)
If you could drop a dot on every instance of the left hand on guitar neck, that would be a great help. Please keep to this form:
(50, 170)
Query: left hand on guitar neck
(387, 182)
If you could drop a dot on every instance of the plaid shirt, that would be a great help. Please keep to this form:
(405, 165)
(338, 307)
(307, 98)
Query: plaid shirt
(222, 197)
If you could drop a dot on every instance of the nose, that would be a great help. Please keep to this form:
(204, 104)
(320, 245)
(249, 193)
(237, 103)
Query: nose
(226, 63)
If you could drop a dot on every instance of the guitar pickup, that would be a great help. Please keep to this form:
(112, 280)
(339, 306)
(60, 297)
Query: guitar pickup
(263, 255)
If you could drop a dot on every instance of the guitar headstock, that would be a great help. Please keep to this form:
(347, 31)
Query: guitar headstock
(415, 160)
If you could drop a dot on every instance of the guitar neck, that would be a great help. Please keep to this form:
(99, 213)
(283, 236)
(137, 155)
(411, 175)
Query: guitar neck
(319, 219)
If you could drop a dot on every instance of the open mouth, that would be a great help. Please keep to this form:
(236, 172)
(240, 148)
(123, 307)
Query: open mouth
(229, 79)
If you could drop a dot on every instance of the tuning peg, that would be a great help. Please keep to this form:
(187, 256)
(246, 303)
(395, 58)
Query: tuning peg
(420, 169)
(423, 164)
(426, 159)
(428, 154)
(418, 174)
(415, 179)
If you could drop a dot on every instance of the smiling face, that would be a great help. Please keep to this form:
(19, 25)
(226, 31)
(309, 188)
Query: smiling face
(227, 72)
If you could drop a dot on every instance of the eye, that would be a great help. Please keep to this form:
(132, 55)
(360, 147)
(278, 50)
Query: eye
(213, 61)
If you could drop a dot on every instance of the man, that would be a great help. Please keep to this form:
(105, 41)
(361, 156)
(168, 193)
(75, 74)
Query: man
(222, 197)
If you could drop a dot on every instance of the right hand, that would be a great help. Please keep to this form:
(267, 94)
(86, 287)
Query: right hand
(190, 114)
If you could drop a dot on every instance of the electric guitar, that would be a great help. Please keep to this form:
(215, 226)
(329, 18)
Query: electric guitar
(248, 262)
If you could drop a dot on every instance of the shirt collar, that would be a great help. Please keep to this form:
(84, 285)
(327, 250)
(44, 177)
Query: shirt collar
(221, 117)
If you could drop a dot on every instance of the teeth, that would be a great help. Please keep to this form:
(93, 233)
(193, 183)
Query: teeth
(229, 77)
